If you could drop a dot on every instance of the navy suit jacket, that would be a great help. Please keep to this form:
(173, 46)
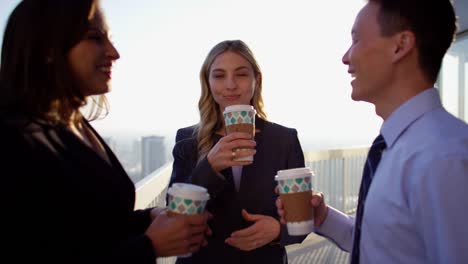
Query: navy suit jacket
(63, 203)
(277, 148)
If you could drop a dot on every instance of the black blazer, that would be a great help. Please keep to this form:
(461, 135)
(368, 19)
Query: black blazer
(277, 148)
(62, 203)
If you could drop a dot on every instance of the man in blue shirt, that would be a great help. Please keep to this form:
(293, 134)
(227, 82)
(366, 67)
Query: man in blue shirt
(416, 208)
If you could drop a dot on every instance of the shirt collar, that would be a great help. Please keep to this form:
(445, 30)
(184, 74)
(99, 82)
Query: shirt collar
(407, 113)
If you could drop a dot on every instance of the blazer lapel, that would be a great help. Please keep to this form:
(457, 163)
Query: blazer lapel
(115, 165)
(110, 175)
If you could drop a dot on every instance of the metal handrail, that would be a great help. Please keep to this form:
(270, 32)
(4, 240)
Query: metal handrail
(337, 174)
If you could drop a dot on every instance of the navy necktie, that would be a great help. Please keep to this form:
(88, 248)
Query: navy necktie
(373, 159)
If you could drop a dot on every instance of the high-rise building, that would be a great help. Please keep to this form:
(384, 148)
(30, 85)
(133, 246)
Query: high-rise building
(152, 154)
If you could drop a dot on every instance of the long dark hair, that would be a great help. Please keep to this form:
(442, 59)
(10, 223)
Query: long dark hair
(35, 75)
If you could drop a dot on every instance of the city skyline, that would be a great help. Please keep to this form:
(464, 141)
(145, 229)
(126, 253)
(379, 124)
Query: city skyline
(155, 86)
(305, 84)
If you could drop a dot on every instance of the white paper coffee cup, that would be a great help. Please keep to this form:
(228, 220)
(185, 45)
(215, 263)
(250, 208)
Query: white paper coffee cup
(240, 118)
(188, 199)
(295, 188)
(185, 198)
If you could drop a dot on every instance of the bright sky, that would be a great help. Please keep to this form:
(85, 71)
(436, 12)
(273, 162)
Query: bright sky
(298, 44)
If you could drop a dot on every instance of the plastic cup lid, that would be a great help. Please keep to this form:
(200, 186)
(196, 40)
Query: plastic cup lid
(294, 173)
(189, 191)
(235, 108)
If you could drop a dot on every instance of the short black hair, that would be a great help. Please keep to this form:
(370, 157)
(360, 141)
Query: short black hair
(433, 23)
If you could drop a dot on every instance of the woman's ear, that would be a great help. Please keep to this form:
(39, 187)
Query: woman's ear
(258, 79)
(405, 42)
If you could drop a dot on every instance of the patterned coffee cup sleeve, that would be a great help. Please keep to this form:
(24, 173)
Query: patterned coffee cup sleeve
(239, 117)
(186, 206)
(295, 185)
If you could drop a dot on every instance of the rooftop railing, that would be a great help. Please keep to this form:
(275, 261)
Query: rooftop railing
(337, 174)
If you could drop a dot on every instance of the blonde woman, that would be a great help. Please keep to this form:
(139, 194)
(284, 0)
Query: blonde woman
(245, 223)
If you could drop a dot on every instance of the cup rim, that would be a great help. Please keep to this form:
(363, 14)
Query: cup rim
(235, 108)
(294, 173)
(189, 191)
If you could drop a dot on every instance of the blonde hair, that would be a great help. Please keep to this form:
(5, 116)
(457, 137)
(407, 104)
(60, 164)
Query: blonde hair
(210, 115)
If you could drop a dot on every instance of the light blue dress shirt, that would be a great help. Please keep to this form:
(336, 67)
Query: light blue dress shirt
(417, 207)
